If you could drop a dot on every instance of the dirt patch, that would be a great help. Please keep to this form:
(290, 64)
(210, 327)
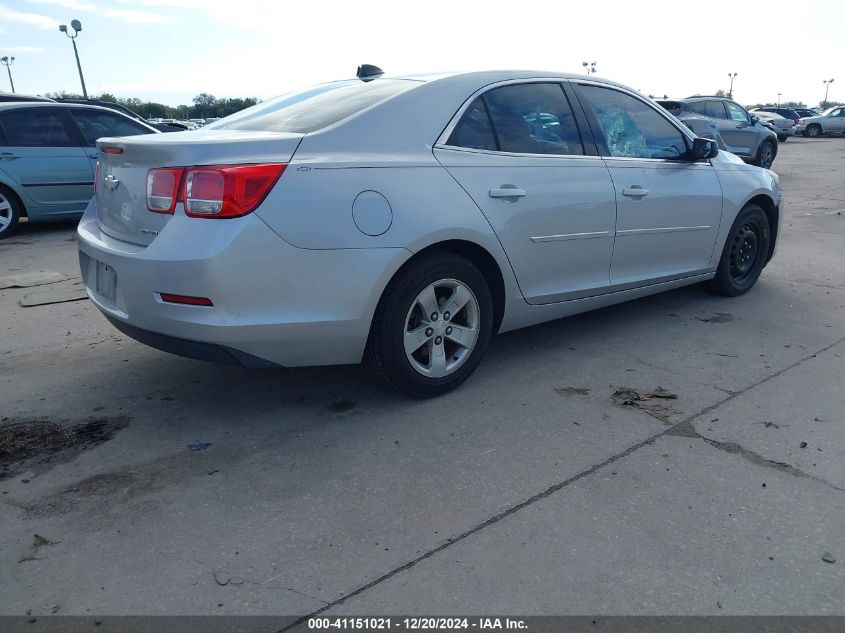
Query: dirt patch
(719, 317)
(572, 391)
(40, 444)
(653, 402)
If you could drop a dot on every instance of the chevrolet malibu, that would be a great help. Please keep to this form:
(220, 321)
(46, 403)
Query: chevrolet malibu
(403, 221)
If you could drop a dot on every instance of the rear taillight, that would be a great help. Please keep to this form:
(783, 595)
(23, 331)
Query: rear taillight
(96, 176)
(186, 299)
(163, 189)
(227, 191)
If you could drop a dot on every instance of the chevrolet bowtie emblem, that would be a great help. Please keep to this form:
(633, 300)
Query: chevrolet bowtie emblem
(111, 183)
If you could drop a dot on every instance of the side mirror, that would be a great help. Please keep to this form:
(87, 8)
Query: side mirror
(702, 148)
(754, 119)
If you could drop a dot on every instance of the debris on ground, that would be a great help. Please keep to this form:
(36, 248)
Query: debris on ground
(38, 542)
(651, 402)
(719, 317)
(802, 445)
(34, 278)
(828, 558)
(26, 445)
(198, 446)
(572, 391)
(46, 297)
(223, 579)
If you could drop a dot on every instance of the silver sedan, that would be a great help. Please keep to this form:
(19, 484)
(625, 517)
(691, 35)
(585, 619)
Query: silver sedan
(405, 220)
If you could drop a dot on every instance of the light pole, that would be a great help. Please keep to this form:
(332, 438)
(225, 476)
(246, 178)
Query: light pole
(589, 67)
(8, 61)
(76, 25)
(779, 99)
(826, 83)
(731, 91)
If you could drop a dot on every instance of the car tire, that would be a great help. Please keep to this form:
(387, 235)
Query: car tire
(745, 253)
(10, 212)
(412, 345)
(814, 130)
(766, 154)
(782, 139)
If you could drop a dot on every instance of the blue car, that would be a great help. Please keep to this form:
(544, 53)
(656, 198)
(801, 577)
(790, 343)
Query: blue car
(48, 153)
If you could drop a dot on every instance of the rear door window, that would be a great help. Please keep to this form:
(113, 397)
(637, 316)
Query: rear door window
(715, 109)
(96, 124)
(316, 108)
(35, 127)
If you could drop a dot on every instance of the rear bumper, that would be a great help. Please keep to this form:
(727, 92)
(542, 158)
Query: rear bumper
(274, 303)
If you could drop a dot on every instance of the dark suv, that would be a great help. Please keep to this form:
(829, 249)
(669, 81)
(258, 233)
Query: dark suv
(731, 125)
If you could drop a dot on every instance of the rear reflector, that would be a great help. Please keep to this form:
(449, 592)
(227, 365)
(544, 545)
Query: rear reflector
(109, 149)
(185, 299)
(163, 189)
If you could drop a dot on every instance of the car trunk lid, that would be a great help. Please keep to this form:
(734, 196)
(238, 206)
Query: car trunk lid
(124, 163)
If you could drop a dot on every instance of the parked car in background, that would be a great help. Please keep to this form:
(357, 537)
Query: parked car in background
(16, 96)
(786, 113)
(117, 107)
(831, 121)
(48, 155)
(321, 228)
(804, 112)
(730, 124)
(783, 127)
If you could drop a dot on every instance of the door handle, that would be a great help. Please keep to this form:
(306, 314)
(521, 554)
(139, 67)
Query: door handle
(507, 192)
(636, 191)
(8, 156)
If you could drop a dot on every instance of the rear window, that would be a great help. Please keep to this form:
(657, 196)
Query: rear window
(314, 109)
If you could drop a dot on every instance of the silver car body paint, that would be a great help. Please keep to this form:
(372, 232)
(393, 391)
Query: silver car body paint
(297, 282)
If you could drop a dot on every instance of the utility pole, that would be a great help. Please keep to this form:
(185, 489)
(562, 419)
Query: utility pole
(826, 83)
(731, 91)
(8, 61)
(76, 25)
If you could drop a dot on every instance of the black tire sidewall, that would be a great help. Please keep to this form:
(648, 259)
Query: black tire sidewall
(759, 161)
(814, 126)
(387, 352)
(16, 211)
(724, 282)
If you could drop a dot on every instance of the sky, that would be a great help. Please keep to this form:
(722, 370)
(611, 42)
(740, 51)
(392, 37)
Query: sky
(171, 50)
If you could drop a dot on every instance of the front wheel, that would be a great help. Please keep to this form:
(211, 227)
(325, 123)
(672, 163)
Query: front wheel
(432, 326)
(766, 155)
(813, 130)
(745, 254)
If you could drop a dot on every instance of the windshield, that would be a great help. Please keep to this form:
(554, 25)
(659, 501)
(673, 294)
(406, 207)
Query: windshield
(315, 108)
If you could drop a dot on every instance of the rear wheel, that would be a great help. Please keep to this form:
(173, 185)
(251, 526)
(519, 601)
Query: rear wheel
(766, 155)
(432, 326)
(814, 130)
(745, 253)
(10, 212)
(782, 138)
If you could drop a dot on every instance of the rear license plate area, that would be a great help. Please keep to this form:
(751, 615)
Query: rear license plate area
(106, 282)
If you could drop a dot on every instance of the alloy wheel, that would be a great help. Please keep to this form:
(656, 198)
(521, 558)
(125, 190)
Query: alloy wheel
(441, 328)
(767, 155)
(5, 213)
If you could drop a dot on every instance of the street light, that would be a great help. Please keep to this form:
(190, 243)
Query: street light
(826, 83)
(731, 91)
(779, 99)
(589, 67)
(8, 61)
(76, 25)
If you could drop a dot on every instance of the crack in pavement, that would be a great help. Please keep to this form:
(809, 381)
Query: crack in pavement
(675, 429)
(686, 429)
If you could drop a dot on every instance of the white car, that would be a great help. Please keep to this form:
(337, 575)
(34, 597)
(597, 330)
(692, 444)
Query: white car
(831, 121)
(783, 127)
(405, 220)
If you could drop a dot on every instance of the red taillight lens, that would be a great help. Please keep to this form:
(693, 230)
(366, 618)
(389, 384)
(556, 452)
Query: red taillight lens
(96, 176)
(227, 191)
(163, 189)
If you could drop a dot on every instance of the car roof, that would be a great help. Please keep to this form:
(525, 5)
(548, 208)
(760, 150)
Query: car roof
(13, 105)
